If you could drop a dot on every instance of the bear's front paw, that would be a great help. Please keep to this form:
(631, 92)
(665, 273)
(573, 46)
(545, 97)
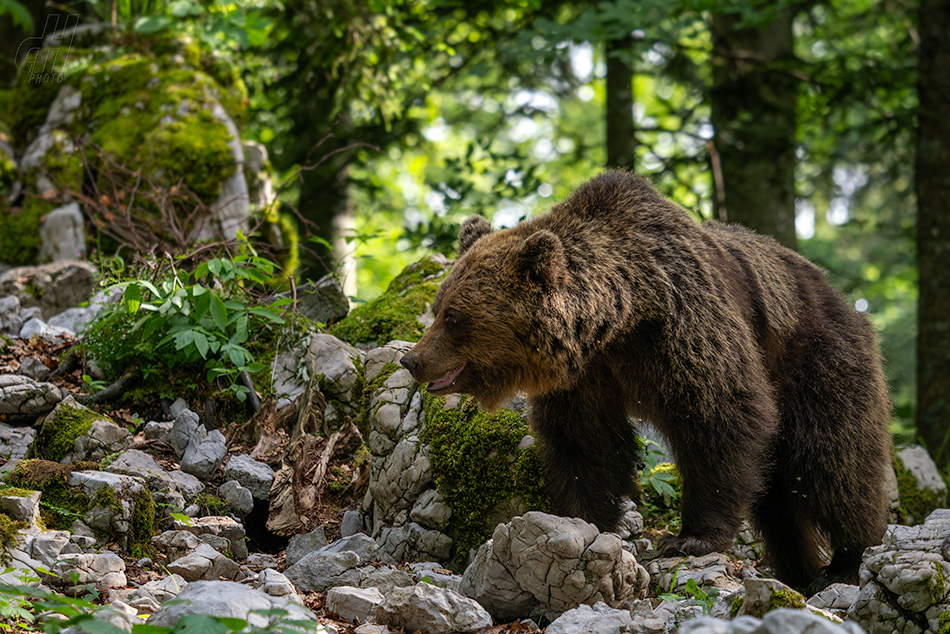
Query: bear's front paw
(675, 546)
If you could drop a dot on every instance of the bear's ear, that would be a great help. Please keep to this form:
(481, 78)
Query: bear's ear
(542, 260)
(472, 229)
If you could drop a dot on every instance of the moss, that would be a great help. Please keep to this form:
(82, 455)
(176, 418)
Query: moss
(8, 171)
(736, 606)
(943, 623)
(60, 429)
(61, 502)
(785, 598)
(16, 492)
(20, 229)
(915, 503)
(9, 528)
(142, 526)
(394, 314)
(476, 465)
(212, 504)
(31, 100)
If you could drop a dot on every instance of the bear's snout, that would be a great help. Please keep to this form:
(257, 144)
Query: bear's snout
(410, 363)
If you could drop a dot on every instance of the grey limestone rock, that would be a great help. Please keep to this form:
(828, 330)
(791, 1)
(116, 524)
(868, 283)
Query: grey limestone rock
(184, 430)
(237, 497)
(220, 526)
(302, 545)
(229, 600)
(204, 454)
(435, 610)
(276, 584)
(363, 545)
(21, 396)
(323, 301)
(837, 598)
(61, 235)
(204, 562)
(351, 603)
(323, 355)
(103, 438)
(21, 507)
(53, 287)
(102, 570)
(34, 368)
(543, 564)
(15, 443)
(599, 618)
(252, 474)
(319, 571)
(709, 571)
(782, 621)
(159, 430)
(351, 524)
(905, 582)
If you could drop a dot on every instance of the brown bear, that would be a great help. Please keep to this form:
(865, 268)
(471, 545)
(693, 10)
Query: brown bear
(616, 303)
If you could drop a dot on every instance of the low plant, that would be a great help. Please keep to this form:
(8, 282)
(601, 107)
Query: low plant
(696, 594)
(204, 317)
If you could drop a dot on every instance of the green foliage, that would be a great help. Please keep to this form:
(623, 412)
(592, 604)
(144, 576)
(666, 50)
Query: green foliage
(662, 478)
(204, 319)
(18, 13)
(696, 594)
(476, 465)
(20, 230)
(217, 24)
(916, 503)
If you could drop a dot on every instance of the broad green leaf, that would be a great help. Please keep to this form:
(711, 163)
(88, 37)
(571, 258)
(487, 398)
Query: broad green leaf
(132, 298)
(152, 24)
(219, 312)
(201, 343)
(240, 330)
(199, 624)
(266, 313)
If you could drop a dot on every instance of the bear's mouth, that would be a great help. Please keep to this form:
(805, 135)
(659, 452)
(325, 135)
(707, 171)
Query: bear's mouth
(447, 380)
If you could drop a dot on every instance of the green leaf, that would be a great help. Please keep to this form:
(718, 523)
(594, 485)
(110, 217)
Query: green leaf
(18, 12)
(236, 354)
(240, 332)
(199, 624)
(201, 343)
(181, 517)
(95, 626)
(152, 24)
(219, 312)
(132, 298)
(266, 313)
(145, 628)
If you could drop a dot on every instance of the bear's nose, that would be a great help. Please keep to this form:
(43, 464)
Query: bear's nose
(409, 362)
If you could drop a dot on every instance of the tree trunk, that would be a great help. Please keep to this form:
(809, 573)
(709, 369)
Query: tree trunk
(933, 230)
(753, 114)
(621, 139)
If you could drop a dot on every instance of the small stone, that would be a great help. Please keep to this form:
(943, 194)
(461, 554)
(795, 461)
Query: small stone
(103, 570)
(34, 368)
(252, 474)
(302, 545)
(354, 604)
(237, 497)
(435, 610)
(204, 455)
(21, 507)
(351, 524)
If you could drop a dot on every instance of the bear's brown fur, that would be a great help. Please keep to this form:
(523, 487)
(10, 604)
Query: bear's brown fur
(766, 383)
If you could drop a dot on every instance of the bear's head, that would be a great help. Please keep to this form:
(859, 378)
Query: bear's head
(489, 314)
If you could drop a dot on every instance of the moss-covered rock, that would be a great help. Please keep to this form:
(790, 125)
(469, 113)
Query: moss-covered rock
(919, 484)
(403, 311)
(74, 432)
(481, 468)
(152, 106)
(60, 503)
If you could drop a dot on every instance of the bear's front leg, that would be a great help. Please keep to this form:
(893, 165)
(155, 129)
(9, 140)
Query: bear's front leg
(589, 451)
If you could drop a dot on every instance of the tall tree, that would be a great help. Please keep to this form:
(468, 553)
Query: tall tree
(621, 138)
(933, 230)
(753, 113)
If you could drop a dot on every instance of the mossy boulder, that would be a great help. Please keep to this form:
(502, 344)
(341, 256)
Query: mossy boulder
(153, 108)
(403, 312)
(115, 507)
(920, 486)
(74, 432)
(443, 472)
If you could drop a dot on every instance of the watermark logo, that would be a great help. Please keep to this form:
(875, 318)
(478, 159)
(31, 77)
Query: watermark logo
(46, 65)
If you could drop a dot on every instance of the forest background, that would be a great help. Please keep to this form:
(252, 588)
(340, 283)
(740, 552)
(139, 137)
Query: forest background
(820, 123)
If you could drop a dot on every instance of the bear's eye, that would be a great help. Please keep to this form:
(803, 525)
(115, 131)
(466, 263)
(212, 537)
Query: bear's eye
(452, 320)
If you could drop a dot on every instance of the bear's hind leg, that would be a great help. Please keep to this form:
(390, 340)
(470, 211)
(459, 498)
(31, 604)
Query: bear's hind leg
(589, 450)
(792, 545)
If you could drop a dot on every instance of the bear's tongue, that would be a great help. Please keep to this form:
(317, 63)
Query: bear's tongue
(447, 379)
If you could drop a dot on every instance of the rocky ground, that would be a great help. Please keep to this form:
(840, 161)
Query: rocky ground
(343, 510)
